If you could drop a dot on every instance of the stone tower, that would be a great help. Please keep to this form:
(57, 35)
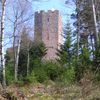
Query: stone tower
(48, 29)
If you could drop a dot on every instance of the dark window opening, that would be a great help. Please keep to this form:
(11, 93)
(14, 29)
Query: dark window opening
(47, 36)
(48, 19)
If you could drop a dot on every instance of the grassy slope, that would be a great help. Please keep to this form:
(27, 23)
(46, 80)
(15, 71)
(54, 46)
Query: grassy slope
(55, 91)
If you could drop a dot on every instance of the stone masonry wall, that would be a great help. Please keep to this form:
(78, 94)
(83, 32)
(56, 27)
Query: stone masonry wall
(48, 28)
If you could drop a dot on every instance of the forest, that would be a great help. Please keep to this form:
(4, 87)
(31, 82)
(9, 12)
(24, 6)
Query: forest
(74, 75)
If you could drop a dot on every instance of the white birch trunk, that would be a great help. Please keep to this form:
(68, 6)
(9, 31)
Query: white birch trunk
(17, 59)
(95, 21)
(2, 42)
(14, 47)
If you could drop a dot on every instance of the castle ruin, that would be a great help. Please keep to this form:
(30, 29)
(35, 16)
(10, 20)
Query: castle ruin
(48, 29)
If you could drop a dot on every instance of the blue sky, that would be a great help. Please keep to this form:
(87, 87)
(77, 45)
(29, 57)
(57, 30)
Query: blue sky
(65, 10)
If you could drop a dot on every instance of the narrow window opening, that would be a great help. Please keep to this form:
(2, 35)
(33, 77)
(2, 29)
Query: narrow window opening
(48, 19)
(47, 36)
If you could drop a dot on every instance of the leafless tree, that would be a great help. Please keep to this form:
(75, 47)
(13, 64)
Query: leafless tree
(3, 2)
(20, 17)
(95, 21)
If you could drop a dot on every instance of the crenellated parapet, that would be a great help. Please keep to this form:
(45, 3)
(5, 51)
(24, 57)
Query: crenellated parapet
(38, 13)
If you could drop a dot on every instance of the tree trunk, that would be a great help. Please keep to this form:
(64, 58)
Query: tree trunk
(2, 42)
(17, 59)
(95, 23)
(92, 44)
(14, 47)
(78, 28)
(28, 59)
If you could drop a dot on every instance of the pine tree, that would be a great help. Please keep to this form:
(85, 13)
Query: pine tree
(65, 51)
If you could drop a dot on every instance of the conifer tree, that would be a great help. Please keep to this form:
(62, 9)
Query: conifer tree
(65, 51)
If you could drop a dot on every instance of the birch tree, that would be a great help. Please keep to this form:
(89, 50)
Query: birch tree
(26, 44)
(18, 19)
(95, 22)
(3, 2)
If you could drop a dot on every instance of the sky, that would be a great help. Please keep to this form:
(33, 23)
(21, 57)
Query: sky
(65, 10)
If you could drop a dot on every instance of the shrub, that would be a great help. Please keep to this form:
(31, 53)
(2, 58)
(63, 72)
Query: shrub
(53, 70)
(9, 73)
(30, 78)
(68, 75)
(40, 74)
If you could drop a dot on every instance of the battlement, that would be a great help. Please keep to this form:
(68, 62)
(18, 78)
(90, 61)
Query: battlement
(46, 12)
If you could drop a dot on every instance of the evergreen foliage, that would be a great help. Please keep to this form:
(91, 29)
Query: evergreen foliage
(65, 51)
